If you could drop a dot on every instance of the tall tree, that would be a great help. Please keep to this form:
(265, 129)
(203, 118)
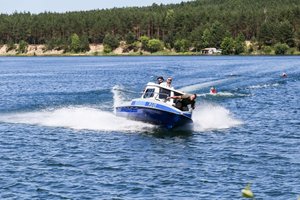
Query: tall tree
(269, 22)
(228, 45)
(75, 43)
(111, 41)
(239, 44)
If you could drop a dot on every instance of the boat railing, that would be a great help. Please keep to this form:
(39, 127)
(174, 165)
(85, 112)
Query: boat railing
(160, 86)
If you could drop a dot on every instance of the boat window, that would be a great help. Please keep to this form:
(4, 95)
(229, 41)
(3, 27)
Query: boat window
(149, 93)
(164, 93)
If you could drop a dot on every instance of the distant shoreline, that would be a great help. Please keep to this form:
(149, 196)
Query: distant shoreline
(98, 50)
(95, 50)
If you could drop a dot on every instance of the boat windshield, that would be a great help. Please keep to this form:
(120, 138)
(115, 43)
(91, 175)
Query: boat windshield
(155, 91)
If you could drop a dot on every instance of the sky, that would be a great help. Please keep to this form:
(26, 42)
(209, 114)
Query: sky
(37, 6)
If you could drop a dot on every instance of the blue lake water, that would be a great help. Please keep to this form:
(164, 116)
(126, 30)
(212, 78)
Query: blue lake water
(59, 138)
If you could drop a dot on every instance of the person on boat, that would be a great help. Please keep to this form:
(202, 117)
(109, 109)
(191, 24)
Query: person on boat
(184, 101)
(168, 83)
(160, 79)
(213, 90)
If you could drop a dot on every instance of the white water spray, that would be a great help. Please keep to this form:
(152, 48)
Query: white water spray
(206, 117)
(223, 94)
(263, 86)
(213, 117)
(79, 118)
(117, 96)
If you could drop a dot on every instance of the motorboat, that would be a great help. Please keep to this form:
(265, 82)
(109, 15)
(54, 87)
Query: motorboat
(155, 107)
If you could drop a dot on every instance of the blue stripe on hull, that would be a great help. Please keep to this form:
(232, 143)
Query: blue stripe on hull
(154, 116)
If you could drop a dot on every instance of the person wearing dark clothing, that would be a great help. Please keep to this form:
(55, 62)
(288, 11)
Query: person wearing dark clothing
(185, 100)
(160, 79)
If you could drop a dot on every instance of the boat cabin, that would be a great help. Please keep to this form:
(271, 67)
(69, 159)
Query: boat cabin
(160, 93)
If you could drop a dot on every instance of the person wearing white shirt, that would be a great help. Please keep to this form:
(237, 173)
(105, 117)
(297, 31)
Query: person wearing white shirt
(168, 83)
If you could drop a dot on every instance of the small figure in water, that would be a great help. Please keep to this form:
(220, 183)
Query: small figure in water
(284, 75)
(160, 79)
(213, 90)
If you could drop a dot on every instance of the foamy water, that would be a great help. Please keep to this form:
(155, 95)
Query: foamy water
(80, 117)
(212, 117)
(224, 94)
(77, 118)
(118, 98)
(207, 116)
(264, 86)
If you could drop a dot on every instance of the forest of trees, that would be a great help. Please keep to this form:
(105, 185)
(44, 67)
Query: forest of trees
(190, 26)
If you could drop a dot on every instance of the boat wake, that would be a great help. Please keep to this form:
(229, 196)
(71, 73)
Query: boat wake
(223, 94)
(80, 118)
(205, 117)
(264, 86)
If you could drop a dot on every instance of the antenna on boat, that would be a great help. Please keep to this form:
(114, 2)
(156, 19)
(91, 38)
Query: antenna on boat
(154, 78)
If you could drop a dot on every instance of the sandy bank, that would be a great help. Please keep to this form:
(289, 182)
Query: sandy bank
(95, 49)
(40, 50)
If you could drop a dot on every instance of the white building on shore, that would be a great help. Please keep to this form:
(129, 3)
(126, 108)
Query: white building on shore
(211, 51)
